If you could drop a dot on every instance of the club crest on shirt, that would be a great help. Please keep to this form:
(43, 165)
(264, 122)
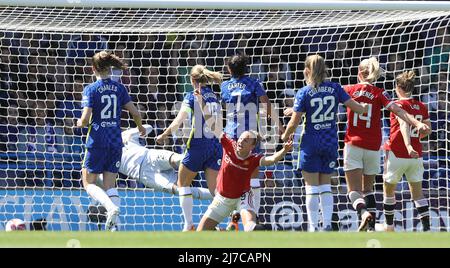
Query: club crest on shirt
(332, 164)
(117, 164)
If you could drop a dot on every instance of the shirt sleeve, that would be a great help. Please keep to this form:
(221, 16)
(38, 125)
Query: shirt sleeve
(88, 98)
(256, 160)
(188, 103)
(259, 89)
(299, 102)
(342, 95)
(125, 96)
(385, 99)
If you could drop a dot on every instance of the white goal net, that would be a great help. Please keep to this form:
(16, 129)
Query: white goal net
(45, 63)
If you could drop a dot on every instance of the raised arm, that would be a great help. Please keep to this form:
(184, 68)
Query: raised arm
(272, 159)
(359, 108)
(292, 125)
(423, 128)
(131, 135)
(136, 116)
(175, 125)
(85, 117)
(265, 100)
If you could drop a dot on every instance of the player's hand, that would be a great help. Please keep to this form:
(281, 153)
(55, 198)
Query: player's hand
(161, 139)
(284, 137)
(142, 131)
(79, 124)
(413, 153)
(288, 111)
(281, 130)
(424, 130)
(366, 107)
(289, 144)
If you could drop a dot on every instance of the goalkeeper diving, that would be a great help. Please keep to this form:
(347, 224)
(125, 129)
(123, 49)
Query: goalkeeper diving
(153, 167)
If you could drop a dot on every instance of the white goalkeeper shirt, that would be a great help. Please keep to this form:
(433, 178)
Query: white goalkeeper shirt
(136, 159)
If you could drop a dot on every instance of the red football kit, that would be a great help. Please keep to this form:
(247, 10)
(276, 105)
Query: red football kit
(235, 172)
(364, 130)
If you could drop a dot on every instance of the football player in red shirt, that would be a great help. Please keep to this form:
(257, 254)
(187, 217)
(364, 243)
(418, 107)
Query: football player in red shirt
(233, 182)
(363, 140)
(404, 153)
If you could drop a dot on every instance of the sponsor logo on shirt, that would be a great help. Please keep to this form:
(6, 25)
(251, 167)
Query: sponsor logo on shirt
(332, 164)
(95, 126)
(109, 124)
(228, 160)
(322, 126)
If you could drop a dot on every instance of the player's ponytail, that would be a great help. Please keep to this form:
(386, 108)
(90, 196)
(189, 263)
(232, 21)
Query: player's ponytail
(369, 70)
(102, 62)
(405, 81)
(317, 70)
(201, 75)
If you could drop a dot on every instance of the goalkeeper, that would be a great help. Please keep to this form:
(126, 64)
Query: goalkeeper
(152, 167)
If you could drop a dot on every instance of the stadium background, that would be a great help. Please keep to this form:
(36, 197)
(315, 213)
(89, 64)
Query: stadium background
(43, 71)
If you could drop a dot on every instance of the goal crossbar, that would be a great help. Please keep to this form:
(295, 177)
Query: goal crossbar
(240, 4)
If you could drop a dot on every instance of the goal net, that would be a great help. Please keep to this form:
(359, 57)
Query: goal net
(45, 63)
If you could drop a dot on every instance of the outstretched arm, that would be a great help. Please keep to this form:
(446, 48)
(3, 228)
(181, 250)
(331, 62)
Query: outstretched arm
(136, 116)
(292, 125)
(272, 159)
(357, 107)
(423, 128)
(174, 126)
(269, 108)
(131, 135)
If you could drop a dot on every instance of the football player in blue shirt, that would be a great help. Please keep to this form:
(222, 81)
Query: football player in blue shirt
(317, 103)
(241, 96)
(102, 106)
(204, 152)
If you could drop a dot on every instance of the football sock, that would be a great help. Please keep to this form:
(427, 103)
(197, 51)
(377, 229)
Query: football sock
(424, 213)
(326, 203)
(389, 207)
(186, 204)
(100, 196)
(312, 207)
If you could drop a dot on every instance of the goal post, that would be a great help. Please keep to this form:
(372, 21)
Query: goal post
(46, 48)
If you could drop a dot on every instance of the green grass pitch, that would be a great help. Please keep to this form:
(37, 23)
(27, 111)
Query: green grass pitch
(222, 239)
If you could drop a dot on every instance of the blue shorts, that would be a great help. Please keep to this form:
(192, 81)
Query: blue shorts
(319, 160)
(199, 159)
(99, 160)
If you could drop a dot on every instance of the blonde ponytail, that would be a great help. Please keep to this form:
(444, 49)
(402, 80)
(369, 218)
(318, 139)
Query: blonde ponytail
(317, 70)
(370, 70)
(406, 81)
(201, 75)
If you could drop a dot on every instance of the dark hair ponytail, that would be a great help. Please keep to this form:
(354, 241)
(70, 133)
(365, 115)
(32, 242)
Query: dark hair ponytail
(102, 62)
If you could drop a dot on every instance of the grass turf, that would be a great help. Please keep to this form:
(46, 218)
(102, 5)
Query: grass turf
(222, 239)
